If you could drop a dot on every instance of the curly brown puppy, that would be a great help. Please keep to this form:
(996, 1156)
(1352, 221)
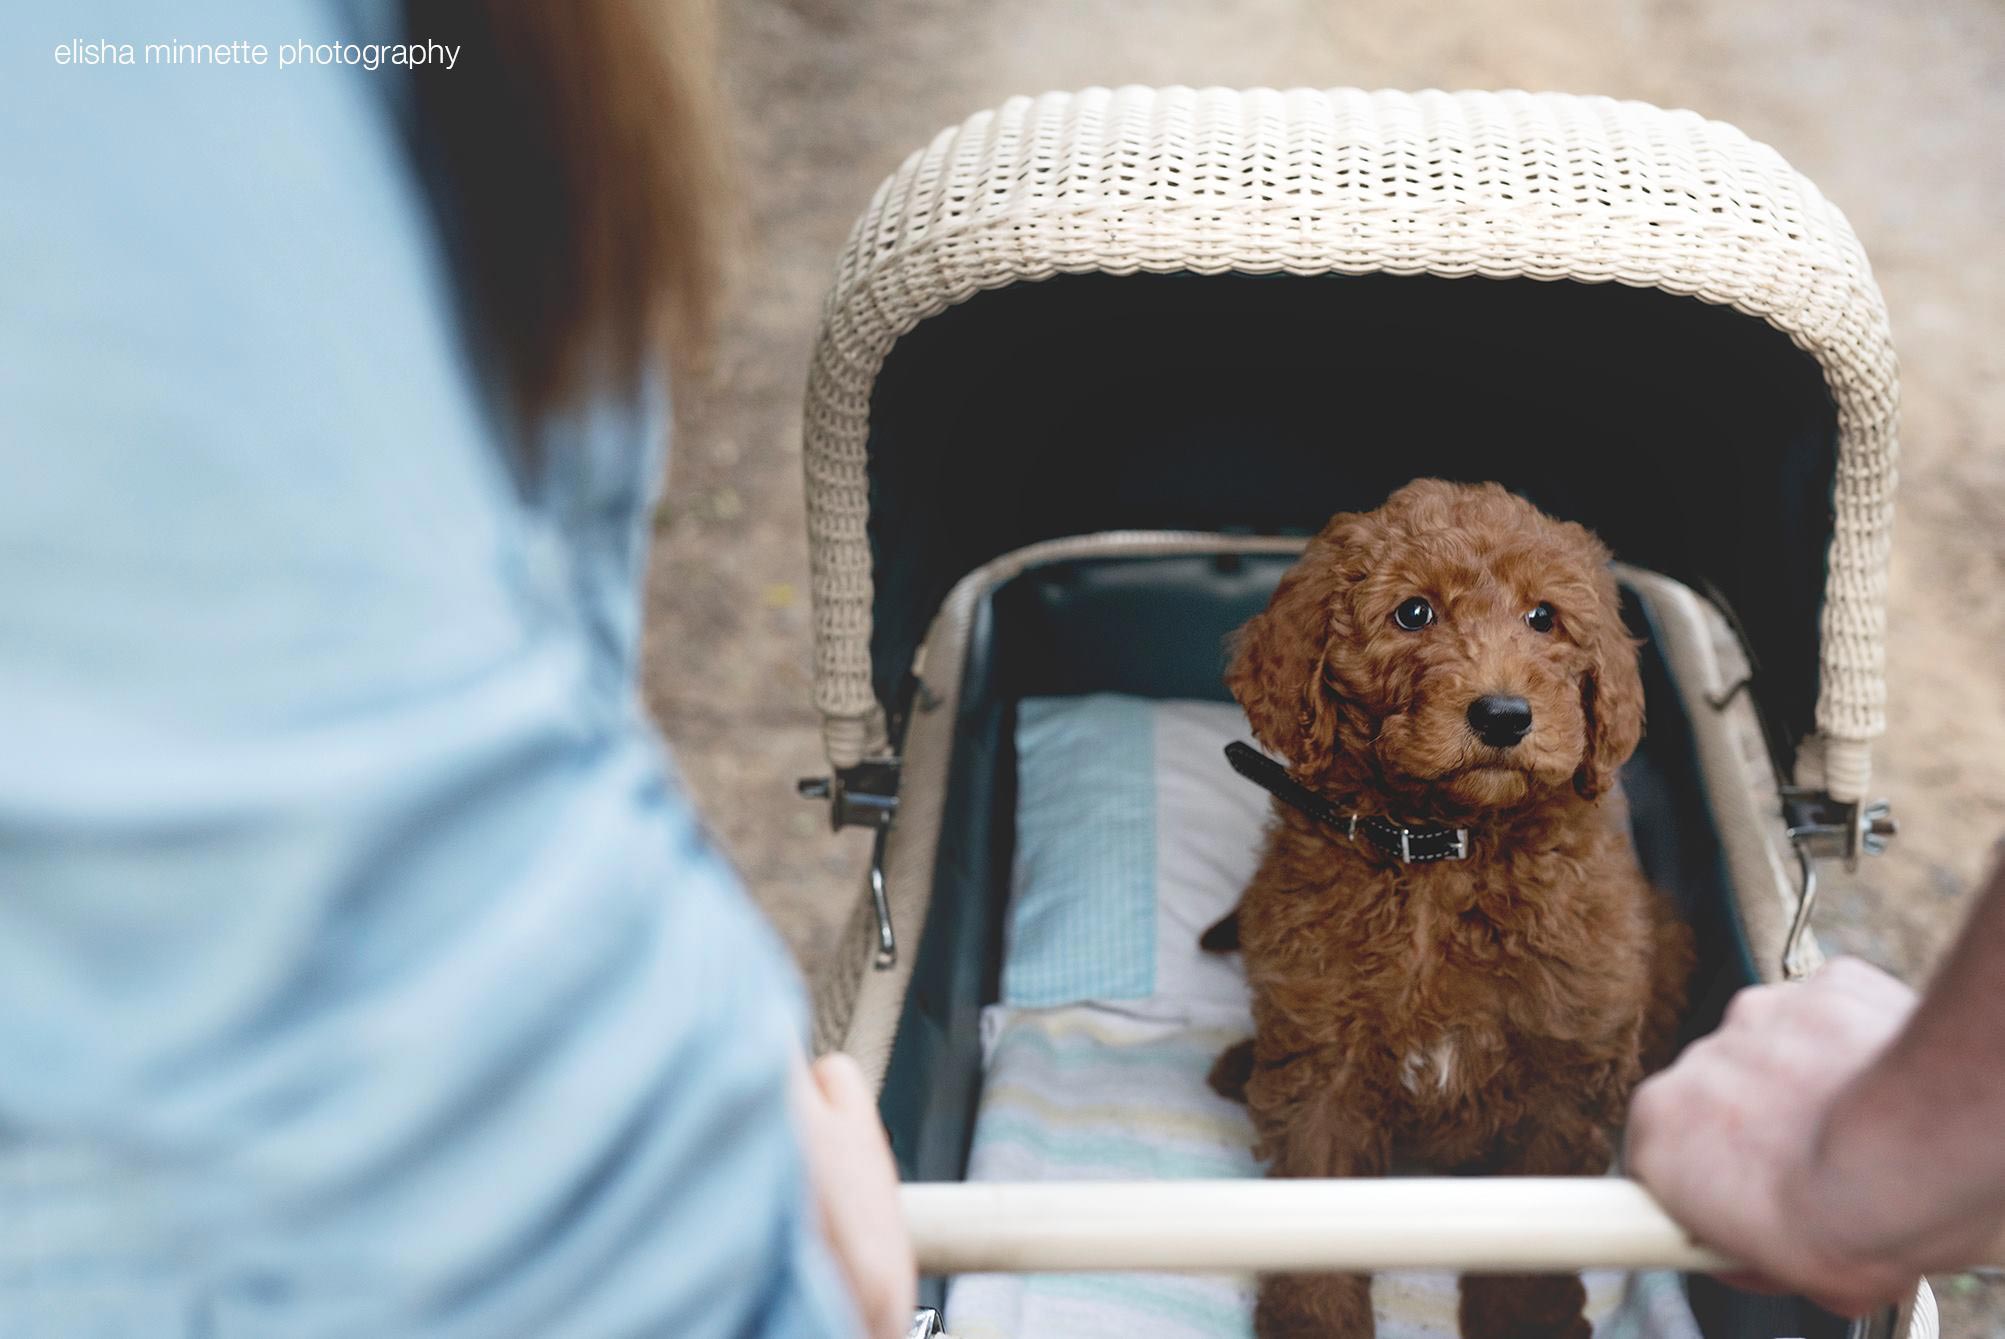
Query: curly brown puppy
(1455, 659)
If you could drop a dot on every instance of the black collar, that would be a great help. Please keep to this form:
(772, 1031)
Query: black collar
(1411, 846)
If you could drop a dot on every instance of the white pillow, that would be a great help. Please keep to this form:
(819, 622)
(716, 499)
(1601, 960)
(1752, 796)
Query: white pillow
(1133, 836)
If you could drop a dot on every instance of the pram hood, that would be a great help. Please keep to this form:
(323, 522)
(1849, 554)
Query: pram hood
(1253, 309)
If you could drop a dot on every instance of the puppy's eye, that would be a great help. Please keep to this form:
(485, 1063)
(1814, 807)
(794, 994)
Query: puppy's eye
(1539, 618)
(1413, 613)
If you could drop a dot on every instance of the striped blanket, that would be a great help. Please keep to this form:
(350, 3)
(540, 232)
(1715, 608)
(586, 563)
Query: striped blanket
(1091, 1093)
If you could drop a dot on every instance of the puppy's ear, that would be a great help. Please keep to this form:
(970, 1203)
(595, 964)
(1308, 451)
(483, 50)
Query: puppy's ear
(1611, 696)
(1277, 669)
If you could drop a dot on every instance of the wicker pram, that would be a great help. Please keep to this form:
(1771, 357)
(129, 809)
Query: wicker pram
(1094, 364)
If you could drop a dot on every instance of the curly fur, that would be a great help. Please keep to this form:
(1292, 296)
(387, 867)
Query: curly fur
(1485, 1015)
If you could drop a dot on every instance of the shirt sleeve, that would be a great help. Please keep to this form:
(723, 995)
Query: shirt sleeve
(362, 969)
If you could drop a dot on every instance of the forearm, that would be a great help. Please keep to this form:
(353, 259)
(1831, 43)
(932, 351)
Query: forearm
(1909, 1161)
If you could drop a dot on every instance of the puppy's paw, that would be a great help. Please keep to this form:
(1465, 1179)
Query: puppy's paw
(1545, 1306)
(1575, 1328)
(1314, 1306)
(1231, 1071)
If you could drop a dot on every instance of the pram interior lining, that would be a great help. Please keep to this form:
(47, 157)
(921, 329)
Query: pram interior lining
(1156, 627)
(1698, 442)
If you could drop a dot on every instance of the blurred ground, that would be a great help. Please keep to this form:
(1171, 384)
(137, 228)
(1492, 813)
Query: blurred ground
(1897, 112)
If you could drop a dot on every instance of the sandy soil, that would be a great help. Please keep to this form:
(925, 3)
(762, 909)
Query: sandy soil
(1897, 112)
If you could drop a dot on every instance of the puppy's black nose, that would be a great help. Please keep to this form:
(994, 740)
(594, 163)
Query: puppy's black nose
(1500, 721)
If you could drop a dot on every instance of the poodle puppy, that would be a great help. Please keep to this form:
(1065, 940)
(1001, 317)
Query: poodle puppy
(1453, 660)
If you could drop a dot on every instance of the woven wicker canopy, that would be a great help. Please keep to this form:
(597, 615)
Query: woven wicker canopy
(1347, 183)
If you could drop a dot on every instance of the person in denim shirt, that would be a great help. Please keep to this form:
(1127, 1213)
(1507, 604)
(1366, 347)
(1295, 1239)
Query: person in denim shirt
(363, 969)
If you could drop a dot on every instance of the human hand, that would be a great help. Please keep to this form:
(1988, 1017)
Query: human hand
(1742, 1140)
(855, 1186)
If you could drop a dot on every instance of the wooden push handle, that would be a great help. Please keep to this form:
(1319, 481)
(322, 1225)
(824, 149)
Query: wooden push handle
(1474, 1225)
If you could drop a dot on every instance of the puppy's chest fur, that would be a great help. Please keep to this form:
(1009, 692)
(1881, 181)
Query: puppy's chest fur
(1439, 983)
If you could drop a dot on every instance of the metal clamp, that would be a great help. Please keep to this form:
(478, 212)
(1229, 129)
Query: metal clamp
(1842, 828)
(1820, 827)
(865, 796)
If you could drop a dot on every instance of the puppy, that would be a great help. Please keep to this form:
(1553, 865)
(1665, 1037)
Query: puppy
(1453, 660)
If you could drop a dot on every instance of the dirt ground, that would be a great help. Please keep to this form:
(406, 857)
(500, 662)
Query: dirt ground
(1896, 111)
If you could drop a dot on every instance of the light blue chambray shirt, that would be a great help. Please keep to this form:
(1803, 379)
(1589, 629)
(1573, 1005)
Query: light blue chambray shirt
(362, 970)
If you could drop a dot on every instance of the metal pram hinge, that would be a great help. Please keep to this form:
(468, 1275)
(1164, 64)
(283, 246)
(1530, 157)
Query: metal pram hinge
(865, 796)
(1821, 828)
